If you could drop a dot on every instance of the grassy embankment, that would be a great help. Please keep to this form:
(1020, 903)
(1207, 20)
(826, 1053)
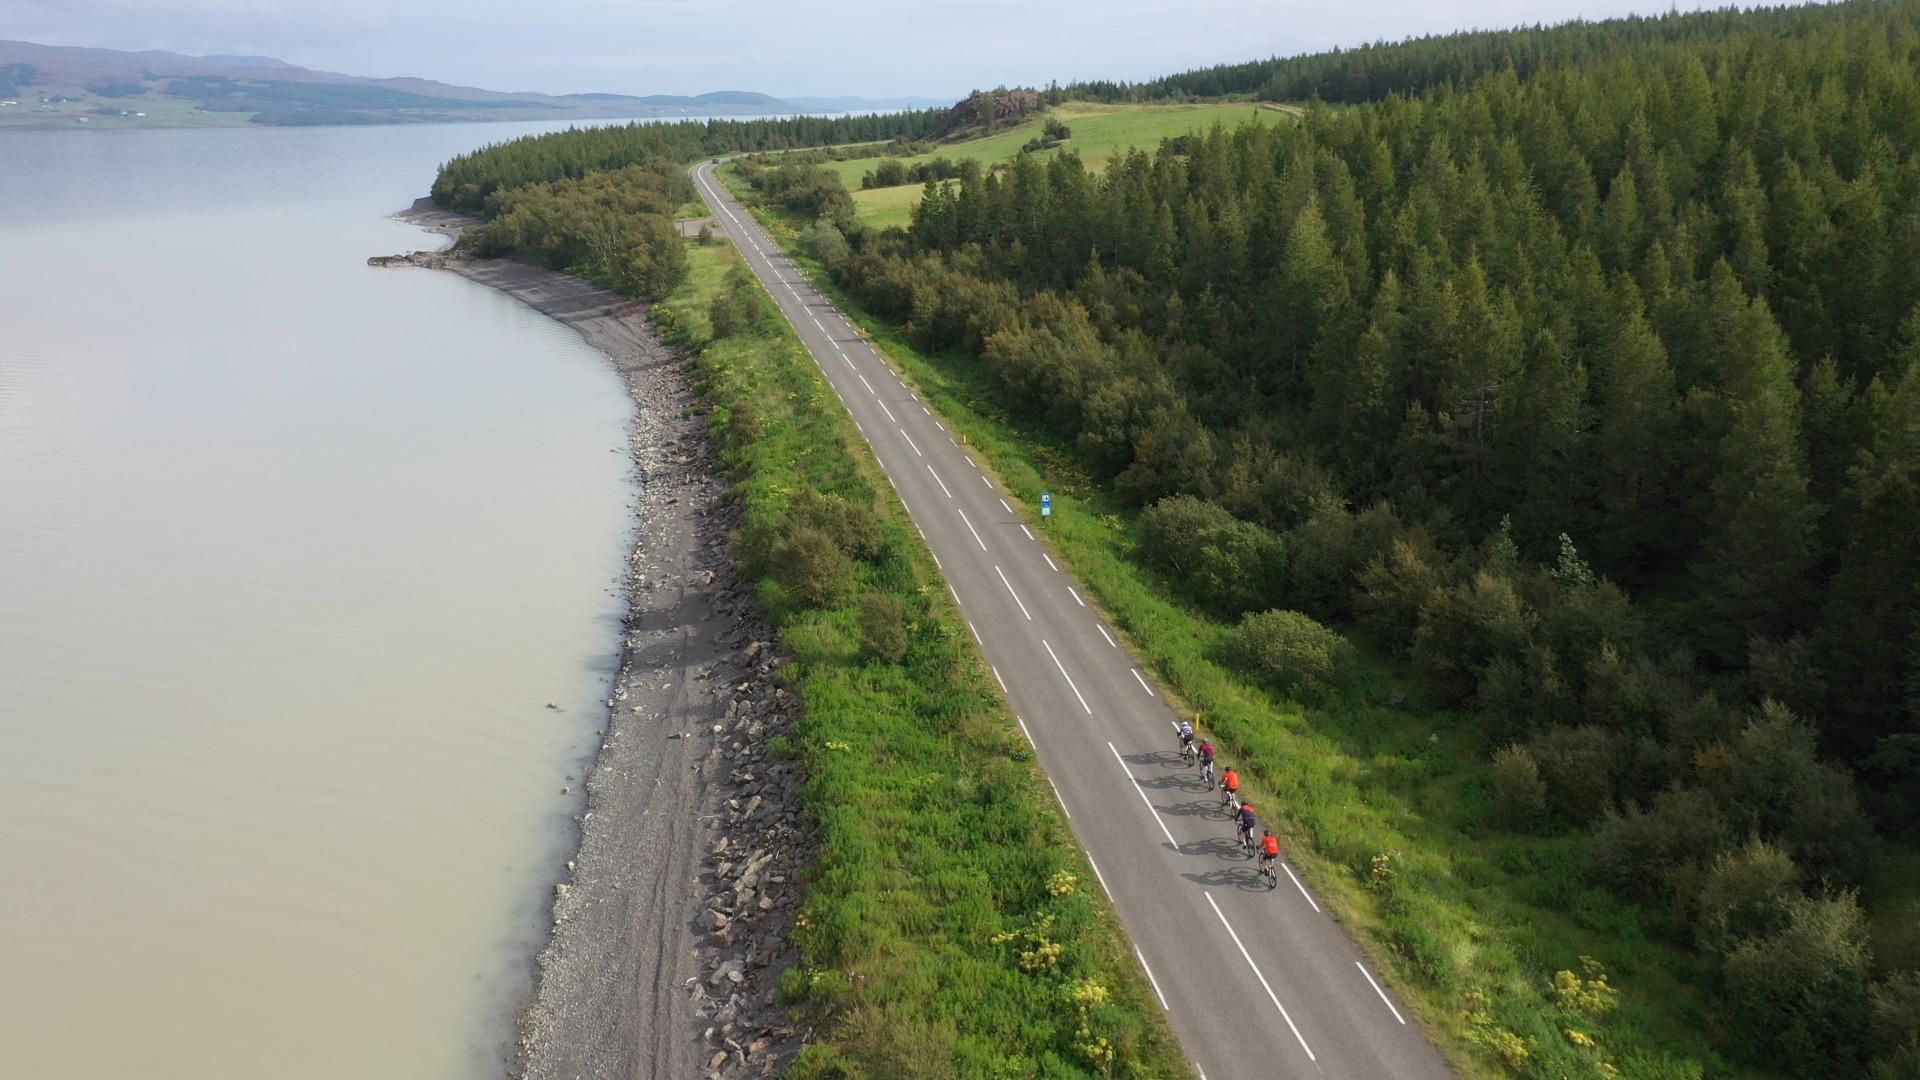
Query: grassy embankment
(1474, 922)
(951, 926)
(1099, 133)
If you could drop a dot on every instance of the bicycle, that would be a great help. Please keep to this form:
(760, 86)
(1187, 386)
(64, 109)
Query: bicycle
(1188, 755)
(1267, 872)
(1230, 801)
(1246, 841)
(1206, 773)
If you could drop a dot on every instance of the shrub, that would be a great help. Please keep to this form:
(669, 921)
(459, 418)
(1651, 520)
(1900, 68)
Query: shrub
(706, 233)
(1802, 994)
(883, 627)
(1229, 565)
(1463, 629)
(810, 566)
(1519, 795)
(825, 242)
(1057, 130)
(1578, 765)
(853, 529)
(1396, 586)
(1745, 895)
(724, 315)
(1896, 1021)
(1656, 854)
(1293, 652)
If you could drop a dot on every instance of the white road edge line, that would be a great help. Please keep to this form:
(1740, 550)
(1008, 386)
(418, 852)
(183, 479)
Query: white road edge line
(1023, 529)
(1076, 596)
(1004, 506)
(1010, 592)
(1302, 888)
(1050, 565)
(955, 592)
(982, 644)
(1103, 633)
(1058, 799)
(1142, 682)
(1263, 979)
(1150, 979)
(998, 679)
(971, 529)
(1030, 742)
(1382, 993)
(1143, 797)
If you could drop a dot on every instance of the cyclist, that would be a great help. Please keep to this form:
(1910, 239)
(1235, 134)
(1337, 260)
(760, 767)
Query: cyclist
(1206, 761)
(1247, 823)
(1186, 735)
(1229, 786)
(1269, 849)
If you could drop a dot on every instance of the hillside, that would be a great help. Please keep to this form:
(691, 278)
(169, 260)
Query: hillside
(59, 86)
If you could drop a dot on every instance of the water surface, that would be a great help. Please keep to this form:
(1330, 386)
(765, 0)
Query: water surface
(294, 554)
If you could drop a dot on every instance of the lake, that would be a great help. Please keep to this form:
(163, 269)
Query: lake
(309, 586)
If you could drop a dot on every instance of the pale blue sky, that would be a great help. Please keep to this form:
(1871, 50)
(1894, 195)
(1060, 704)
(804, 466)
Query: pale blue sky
(866, 47)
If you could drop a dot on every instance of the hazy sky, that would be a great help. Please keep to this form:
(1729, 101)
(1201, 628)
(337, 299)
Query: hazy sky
(864, 47)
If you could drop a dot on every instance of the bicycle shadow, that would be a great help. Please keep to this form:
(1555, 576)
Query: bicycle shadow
(1219, 847)
(1165, 759)
(1198, 808)
(1245, 879)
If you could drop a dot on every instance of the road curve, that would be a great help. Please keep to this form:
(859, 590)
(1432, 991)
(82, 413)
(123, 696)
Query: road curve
(1257, 983)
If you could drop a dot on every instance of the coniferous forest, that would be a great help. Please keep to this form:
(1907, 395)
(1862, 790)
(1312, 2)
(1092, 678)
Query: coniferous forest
(1576, 369)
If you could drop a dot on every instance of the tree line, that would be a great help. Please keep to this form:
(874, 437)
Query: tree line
(1586, 389)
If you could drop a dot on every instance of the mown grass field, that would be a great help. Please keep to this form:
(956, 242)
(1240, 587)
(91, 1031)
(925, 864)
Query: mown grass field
(1476, 920)
(1099, 133)
(951, 925)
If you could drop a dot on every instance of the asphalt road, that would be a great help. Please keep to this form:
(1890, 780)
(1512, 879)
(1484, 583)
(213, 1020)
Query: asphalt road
(1258, 983)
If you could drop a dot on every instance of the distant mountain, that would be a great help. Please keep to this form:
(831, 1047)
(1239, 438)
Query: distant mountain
(863, 104)
(60, 85)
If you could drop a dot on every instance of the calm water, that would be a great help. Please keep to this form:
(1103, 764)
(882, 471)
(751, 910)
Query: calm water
(293, 555)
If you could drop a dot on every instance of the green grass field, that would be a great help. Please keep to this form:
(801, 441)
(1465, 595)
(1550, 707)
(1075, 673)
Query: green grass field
(1099, 133)
(1477, 920)
(951, 925)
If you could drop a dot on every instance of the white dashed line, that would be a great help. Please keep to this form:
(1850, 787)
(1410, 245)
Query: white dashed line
(1070, 686)
(1010, 592)
(1103, 633)
(1382, 993)
(983, 478)
(1275, 998)
(1023, 530)
(937, 480)
(936, 560)
(971, 529)
(1142, 682)
(889, 412)
(1144, 967)
(1142, 792)
(955, 592)
(976, 634)
(1305, 893)
(910, 442)
(998, 679)
(1058, 799)
(1050, 565)
(868, 385)
(1030, 742)
(1004, 506)
(1076, 597)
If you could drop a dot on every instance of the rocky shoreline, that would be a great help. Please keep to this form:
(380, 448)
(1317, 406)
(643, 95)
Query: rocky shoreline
(670, 922)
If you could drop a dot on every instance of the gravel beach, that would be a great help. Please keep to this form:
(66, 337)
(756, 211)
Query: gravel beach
(670, 921)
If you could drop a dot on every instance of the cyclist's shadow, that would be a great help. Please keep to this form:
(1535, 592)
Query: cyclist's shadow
(1219, 847)
(1244, 878)
(1165, 759)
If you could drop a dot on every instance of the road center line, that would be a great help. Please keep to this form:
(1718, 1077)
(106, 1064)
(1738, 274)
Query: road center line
(937, 480)
(1382, 993)
(1142, 792)
(971, 529)
(1142, 682)
(1075, 689)
(868, 385)
(889, 412)
(910, 442)
(1010, 592)
(1263, 979)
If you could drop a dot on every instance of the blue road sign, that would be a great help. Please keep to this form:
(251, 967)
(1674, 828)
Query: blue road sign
(1046, 504)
